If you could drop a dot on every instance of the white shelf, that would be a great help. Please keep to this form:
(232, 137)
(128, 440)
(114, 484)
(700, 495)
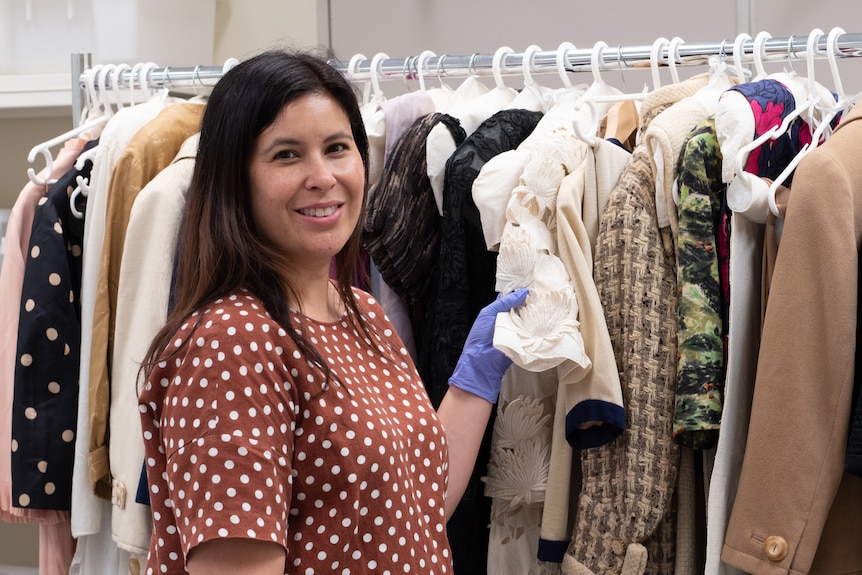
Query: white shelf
(13, 570)
(35, 95)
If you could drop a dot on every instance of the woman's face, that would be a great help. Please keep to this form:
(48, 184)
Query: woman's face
(307, 181)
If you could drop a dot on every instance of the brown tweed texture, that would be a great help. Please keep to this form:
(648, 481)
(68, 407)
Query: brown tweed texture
(628, 491)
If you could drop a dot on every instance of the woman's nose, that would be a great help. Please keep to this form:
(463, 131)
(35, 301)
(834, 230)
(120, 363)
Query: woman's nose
(321, 174)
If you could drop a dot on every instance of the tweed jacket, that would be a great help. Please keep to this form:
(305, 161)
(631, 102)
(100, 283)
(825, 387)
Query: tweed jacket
(626, 510)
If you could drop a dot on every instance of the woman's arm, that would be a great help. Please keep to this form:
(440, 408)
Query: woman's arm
(236, 557)
(473, 390)
(464, 417)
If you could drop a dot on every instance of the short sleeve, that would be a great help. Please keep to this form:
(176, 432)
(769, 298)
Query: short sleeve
(228, 419)
(224, 486)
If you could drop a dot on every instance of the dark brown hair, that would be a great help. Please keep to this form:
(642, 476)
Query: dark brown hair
(219, 249)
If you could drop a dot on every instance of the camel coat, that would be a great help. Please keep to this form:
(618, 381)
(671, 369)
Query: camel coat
(796, 511)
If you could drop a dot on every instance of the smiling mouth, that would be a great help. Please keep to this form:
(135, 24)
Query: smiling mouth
(319, 212)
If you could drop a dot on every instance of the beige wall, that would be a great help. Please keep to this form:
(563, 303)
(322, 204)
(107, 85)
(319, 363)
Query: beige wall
(241, 28)
(456, 27)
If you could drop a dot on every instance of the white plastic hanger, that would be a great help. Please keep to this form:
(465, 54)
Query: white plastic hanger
(747, 193)
(820, 131)
(599, 92)
(533, 96)
(441, 71)
(115, 74)
(134, 81)
(476, 102)
(98, 116)
(107, 99)
(83, 188)
(423, 57)
(497, 66)
(738, 51)
(352, 71)
(812, 100)
(831, 56)
(654, 54)
(588, 135)
(228, 64)
(146, 81)
(673, 57)
(807, 107)
(759, 55)
(196, 79)
(722, 76)
(562, 50)
(377, 92)
(527, 65)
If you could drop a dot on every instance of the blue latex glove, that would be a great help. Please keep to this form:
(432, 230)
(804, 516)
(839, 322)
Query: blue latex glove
(481, 367)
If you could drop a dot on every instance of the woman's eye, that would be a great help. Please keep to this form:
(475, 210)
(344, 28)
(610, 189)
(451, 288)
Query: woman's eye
(335, 148)
(284, 154)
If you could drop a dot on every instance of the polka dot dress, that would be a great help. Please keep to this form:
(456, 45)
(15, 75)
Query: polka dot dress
(244, 439)
(44, 408)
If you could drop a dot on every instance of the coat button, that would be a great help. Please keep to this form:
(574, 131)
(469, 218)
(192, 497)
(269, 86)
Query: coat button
(775, 548)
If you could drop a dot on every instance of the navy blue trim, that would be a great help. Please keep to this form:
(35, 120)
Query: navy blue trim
(552, 551)
(611, 416)
(142, 495)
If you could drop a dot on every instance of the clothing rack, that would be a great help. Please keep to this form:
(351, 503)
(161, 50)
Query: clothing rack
(663, 53)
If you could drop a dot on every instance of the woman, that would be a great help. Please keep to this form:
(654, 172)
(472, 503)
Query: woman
(286, 427)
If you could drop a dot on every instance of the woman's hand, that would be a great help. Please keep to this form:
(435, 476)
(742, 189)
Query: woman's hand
(481, 367)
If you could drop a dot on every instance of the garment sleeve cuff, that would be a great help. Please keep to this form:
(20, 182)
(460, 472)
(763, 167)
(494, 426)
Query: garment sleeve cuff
(593, 423)
(552, 551)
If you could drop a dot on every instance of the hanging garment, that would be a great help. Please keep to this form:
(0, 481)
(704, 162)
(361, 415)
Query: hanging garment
(700, 371)
(49, 342)
(749, 110)
(796, 510)
(465, 284)
(17, 240)
(440, 144)
(151, 149)
(543, 333)
(143, 285)
(530, 441)
(397, 115)
(624, 514)
(55, 542)
(518, 471)
(95, 552)
(744, 322)
(665, 138)
(582, 399)
(545, 244)
(853, 460)
(402, 224)
(701, 327)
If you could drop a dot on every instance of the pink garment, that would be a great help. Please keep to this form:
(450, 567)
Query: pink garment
(401, 112)
(56, 537)
(56, 547)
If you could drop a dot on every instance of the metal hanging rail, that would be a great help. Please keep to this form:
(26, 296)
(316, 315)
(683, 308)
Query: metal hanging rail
(611, 58)
(847, 45)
